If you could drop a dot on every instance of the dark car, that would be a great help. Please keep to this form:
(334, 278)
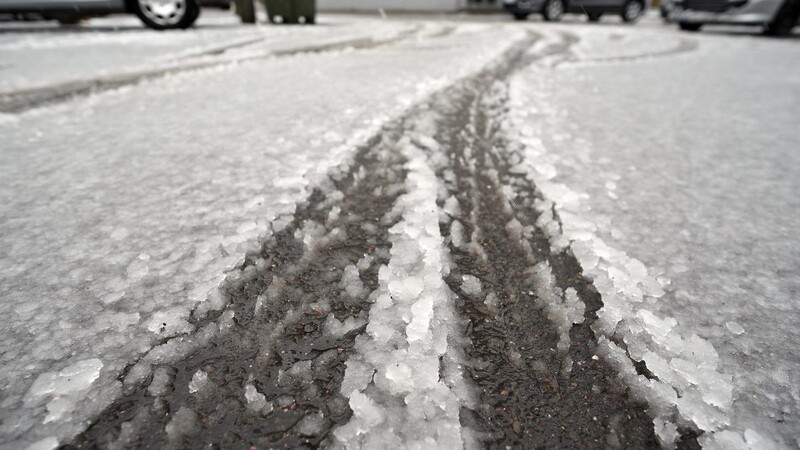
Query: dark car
(553, 10)
(777, 17)
(157, 14)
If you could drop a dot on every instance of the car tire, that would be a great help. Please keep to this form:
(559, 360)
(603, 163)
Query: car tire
(785, 19)
(594, 16)
(553, 10)
(194, 17)
(686, 26)
(521, 16)
(632, 11)
(159, 15)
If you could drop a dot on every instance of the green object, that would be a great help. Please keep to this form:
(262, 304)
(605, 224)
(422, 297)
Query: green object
(246, 9)
(291, 11)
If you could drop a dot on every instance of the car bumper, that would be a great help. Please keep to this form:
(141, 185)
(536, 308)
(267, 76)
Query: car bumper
(753, 12)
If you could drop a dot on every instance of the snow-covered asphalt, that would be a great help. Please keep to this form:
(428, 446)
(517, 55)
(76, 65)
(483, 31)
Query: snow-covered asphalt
(421, 232)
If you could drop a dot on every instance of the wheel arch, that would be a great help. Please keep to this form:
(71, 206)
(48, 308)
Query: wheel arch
(130, 5)
(640, 2)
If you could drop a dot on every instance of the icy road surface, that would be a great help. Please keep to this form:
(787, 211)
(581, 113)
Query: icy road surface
(403, 233)
(693, 171)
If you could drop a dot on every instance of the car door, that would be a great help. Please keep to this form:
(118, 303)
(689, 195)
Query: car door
(44, 5)
(586, 6)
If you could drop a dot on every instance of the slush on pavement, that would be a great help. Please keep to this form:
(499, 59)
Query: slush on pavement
(390, 230)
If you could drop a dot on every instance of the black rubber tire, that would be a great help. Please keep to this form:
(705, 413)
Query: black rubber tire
(521, 16)
(195, 16)
(686, 26)
(785, 19)
(190, 15)
(310, 20)
(546, 11)
(627, 18)
(594, 16)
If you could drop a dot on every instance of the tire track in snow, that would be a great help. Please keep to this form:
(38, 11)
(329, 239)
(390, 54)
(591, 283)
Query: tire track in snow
(220, 49)
(683, 46)
(27, 99)
(538, 379)
(272, 377)
(290, 336)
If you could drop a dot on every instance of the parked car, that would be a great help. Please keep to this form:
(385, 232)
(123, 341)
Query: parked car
(778, 17)
(553, 10)
(156, 14)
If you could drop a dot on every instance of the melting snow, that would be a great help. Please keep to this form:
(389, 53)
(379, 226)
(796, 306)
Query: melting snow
(114, 237)
(64, 388)
(399, 396)
(665, 187)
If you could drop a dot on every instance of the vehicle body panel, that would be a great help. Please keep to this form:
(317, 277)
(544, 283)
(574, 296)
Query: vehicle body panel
(572, 6)
(85, 6)
(523, 6)
(753, 12)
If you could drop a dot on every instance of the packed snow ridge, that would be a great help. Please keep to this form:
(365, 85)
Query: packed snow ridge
(404, 380)
(687, 389)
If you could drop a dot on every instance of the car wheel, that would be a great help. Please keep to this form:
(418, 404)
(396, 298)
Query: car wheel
(167, 14)
(631, 11)
(521, 16)
(785, 19)
(686, 26)
(594, 16)
(194, 17)
(553, 10)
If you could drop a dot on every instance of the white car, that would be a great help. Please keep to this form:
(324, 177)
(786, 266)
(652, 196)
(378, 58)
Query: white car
(156, 14)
